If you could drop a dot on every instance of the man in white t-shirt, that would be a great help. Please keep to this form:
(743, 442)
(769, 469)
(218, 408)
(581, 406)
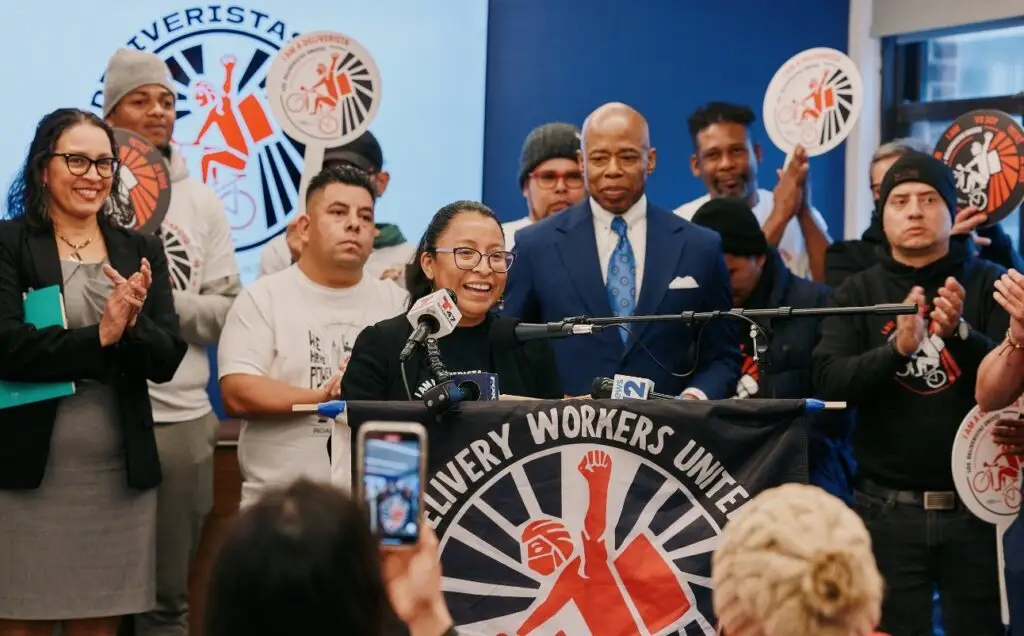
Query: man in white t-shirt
(726, 160)
(549, 175)
(139, 95)
(289, 335)
(391, 251)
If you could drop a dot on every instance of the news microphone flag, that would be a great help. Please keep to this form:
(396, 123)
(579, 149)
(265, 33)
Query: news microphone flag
(433, 316)
(629, 387)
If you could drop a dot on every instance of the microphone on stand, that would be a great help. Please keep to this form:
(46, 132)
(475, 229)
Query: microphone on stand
(626, 387)
(433, 316)
(445, 393)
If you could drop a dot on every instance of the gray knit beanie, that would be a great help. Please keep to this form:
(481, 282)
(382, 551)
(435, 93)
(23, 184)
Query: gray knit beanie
(129, 69)
(550, 141)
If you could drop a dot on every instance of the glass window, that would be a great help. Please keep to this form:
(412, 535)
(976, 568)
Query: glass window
(930, 131)
(985, 63)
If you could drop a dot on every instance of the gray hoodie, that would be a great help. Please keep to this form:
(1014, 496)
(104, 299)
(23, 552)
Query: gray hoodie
(204, 278)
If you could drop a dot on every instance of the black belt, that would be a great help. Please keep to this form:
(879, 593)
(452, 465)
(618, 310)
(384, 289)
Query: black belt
(928, 499)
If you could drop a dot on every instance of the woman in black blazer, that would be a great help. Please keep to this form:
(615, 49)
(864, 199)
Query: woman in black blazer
(77, 474)
(463, 250)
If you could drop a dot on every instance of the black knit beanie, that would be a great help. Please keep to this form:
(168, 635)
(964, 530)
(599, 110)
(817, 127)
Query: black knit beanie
(735, 222)
(917, 167)
(550, 141)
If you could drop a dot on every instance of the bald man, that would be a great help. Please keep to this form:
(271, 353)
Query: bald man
(616, 254)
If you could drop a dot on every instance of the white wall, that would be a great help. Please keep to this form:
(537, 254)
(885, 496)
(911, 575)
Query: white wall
(866, 53)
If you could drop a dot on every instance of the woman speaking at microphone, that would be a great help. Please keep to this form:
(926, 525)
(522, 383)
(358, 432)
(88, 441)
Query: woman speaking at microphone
(462, 250)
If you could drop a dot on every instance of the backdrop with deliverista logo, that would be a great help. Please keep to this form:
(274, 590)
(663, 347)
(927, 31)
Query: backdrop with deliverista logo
(432, 61)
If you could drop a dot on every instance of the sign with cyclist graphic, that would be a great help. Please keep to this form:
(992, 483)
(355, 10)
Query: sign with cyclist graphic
(145, 181)
(987, 479)
(324, 90)
(814, 101)
(985, 149)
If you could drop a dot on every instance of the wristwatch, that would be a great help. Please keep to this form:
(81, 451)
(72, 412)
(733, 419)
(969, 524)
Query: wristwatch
(963, 330)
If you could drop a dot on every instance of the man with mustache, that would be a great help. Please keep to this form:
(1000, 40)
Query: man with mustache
(726, 160)
(549, 176)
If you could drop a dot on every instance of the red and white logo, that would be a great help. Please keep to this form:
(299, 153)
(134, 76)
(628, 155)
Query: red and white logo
(987, 478)
(985, 149)
(580, 563)
(324, 88)
(814, 100)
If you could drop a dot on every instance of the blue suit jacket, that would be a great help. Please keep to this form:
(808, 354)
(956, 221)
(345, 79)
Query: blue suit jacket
(557, 275)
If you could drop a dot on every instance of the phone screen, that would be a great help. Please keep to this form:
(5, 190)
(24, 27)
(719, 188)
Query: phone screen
(391, 485)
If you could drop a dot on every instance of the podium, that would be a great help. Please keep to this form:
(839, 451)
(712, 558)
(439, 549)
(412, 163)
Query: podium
(533, 501)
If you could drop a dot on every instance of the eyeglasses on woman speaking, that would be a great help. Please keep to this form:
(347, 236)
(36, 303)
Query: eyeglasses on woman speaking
(468, 258)
(79, 165)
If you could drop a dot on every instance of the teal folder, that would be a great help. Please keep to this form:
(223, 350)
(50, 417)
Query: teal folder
(43, 308)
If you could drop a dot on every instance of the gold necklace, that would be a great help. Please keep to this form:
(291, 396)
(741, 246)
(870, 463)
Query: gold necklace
(75, 255)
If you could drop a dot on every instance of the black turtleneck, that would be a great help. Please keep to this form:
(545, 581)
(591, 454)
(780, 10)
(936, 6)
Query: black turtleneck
(908, 412)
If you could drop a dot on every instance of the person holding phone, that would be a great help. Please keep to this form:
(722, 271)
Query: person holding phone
(78, 474)
(303, 560)
(463, 250)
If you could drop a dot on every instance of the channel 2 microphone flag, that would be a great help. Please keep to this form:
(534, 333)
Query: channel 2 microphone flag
(593, 516)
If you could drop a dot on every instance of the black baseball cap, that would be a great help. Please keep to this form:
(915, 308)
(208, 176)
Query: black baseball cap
(363, 152)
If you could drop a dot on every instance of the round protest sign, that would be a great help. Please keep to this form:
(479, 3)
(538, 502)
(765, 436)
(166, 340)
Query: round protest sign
(985, 149)
(987, 480)
(814, 101)
(145, 181)
(324, 90)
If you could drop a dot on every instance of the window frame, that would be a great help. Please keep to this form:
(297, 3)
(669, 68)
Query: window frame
(901, 104)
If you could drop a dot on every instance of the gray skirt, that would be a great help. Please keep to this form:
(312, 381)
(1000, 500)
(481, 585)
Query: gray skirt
(83, 545)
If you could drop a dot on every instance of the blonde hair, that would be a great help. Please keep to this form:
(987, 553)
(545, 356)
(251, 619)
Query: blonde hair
(796, 561)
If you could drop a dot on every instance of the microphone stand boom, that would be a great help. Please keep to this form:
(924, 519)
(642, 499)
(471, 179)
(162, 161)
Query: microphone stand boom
(581, 325)
(694, 317)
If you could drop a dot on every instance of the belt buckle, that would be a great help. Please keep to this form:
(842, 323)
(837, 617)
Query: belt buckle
(939, 500)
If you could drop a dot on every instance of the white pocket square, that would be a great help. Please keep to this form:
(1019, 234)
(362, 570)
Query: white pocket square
(683, 282)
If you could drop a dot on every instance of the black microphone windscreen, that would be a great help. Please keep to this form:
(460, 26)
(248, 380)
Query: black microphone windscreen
(470, 390)
(503, 333)
(601, 388)
(451, 294)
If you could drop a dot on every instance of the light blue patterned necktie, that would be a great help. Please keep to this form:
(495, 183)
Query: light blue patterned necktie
(621, 285)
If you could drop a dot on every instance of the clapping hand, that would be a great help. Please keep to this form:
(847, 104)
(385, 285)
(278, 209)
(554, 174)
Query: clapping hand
(948, 307)
(910, 331)
(124, 303)
(1010, 296)
(791, 191)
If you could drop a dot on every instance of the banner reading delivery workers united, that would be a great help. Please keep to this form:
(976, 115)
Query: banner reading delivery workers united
(593, 517)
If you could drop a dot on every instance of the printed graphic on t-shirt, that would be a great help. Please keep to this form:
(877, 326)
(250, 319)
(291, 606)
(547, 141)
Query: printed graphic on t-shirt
(932, 368)
(330, 348)
(430, 383)
(750, 376)
(183, 264)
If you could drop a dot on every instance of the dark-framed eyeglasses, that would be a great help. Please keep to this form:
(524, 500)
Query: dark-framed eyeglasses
(79, 165)
(468, 258)
(548, 179)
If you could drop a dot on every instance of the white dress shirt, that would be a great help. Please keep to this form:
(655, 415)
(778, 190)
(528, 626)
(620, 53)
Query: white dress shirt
(607, 238)
(636, 230)
(792, 247)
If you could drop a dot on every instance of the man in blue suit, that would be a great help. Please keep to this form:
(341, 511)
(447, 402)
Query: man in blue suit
(615, 254)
